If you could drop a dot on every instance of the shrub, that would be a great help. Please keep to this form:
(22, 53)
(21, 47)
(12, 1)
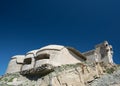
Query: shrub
(110, 70)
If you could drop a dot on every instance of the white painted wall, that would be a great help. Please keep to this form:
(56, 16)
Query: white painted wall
(29, 66)
(66, 57)
(13, 66)
(58, 58)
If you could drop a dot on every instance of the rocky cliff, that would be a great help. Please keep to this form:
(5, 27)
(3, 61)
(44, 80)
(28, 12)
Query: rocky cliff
(81, 74)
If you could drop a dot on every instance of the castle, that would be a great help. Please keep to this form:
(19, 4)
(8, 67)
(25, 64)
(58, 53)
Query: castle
(42, 59)
(103, 52)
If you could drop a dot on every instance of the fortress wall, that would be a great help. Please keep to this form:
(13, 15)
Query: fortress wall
(13, 66)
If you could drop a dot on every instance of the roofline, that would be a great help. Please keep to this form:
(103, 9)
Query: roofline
(89, 52)
(77, 52)
(17, 56)
(46, 49)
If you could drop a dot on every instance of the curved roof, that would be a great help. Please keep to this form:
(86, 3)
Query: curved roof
(52, 47)
(77, 52)
(33, 51)
(18, 56)
(60, 47)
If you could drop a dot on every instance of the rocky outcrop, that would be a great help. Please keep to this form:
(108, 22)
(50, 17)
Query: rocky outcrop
(112, 78)
(66, 75)
(42, 70)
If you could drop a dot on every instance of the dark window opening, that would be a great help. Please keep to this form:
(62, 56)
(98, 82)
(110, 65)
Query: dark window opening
(106, 45)
(28, 61)
(111, 49)
(107, 50)
(42, 56)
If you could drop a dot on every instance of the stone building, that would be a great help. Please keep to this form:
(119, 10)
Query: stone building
(55, 55)
(29, 60)
(58, 55)
(103, 52)
(15, 64)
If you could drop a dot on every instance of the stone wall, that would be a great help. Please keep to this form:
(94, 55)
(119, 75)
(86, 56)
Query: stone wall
(103, 52)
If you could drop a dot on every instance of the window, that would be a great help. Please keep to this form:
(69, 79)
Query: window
(42, 56)
(107, 50)
(28, 61)
(106, 45)
(111, 49)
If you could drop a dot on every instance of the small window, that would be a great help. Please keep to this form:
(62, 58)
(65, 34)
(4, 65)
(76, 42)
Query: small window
(28, 61)
(42, 56)
(107, 50)
(106, 45)
(111, 49)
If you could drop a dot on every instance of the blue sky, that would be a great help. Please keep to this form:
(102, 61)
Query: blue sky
(30, 24)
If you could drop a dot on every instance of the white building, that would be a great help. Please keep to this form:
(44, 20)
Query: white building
(15, 63)
(55, 55)
(103, 52)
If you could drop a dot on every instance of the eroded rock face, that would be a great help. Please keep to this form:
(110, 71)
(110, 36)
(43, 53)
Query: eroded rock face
(107, 80)
(42, 70)
(66, 75)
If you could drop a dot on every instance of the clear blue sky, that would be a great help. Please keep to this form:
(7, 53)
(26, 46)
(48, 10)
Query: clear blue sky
(30, 24)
